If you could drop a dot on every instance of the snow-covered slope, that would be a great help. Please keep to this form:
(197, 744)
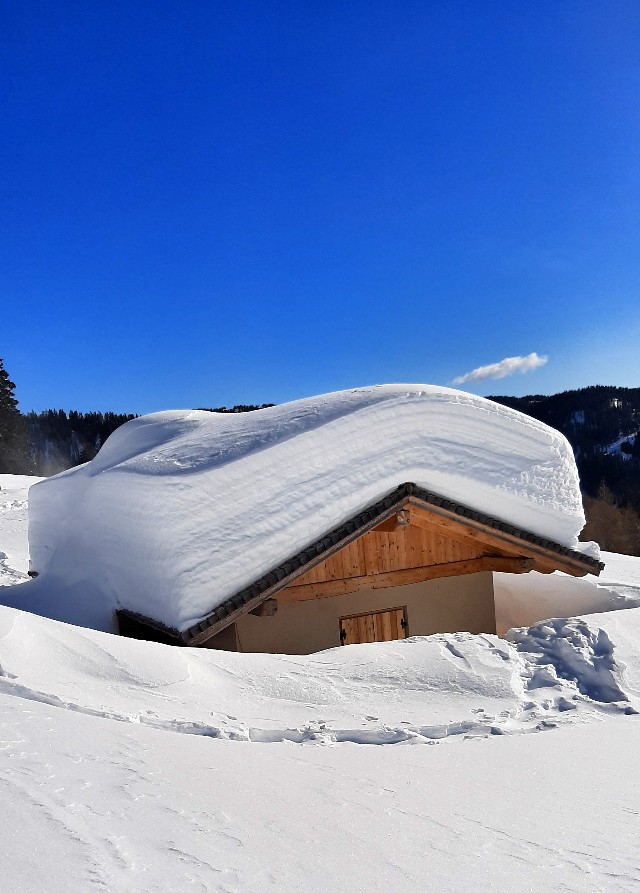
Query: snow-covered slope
(181, 509)
(141, 767)
(90, 805)
(14, 549)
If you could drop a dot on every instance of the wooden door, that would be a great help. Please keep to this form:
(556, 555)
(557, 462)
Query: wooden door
(380, 626)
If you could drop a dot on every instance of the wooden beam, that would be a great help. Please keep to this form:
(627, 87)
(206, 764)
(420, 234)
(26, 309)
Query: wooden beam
(468, 530)
(456, 530)
(396, 522)
(507, 564)
(267, 608)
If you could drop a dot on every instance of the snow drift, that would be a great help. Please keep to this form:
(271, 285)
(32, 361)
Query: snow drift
(129, 766)
(411, 690)
(181, 509)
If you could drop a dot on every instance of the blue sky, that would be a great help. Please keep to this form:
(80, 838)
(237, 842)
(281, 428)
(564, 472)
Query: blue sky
(208, 203)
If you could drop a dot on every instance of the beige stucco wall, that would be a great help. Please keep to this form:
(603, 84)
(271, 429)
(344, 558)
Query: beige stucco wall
(452, 604)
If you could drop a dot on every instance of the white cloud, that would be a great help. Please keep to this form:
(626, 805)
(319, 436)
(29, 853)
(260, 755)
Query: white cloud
(506, 367)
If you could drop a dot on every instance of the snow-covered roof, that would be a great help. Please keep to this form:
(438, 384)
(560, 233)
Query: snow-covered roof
(182, 509)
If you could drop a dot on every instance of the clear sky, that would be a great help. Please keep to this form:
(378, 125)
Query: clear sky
(208, 203)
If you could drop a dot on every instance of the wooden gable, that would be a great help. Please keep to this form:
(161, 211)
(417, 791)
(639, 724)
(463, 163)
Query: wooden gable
(408, 548)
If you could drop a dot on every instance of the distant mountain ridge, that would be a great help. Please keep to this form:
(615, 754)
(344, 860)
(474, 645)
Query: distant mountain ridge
(601, 423)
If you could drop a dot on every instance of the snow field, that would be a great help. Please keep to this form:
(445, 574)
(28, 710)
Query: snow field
(14, 519)
(416, 690)
(129, 809)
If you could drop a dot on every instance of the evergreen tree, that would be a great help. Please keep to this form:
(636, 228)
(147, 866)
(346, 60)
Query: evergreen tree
(14, 454)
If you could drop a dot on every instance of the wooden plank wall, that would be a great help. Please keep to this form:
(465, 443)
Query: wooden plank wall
(379, 553)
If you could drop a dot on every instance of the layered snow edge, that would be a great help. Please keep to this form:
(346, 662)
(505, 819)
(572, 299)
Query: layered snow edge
(181, 509)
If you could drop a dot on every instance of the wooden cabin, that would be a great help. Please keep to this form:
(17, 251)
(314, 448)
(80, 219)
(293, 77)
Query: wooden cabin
(412, 564)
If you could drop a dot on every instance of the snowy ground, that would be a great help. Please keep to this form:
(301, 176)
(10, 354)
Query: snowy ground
(452, 762)
(14, 545)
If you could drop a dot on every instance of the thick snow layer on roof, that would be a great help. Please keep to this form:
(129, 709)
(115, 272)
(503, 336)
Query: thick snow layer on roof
(181, 509)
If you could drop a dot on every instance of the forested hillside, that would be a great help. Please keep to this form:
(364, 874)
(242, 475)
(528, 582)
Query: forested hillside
(58, 440)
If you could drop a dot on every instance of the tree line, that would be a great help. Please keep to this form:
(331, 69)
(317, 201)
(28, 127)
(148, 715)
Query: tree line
(45, 443)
